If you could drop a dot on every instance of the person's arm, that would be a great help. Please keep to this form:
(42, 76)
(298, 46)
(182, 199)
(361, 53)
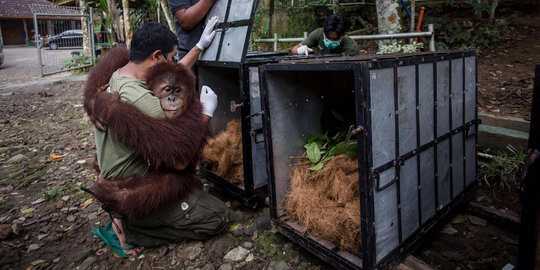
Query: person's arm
(206, 38)
(350, 47)
(294, 49)
(191, 57)
(191, 16)
(305, 46)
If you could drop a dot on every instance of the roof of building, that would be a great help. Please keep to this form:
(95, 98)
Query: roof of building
(19, 8)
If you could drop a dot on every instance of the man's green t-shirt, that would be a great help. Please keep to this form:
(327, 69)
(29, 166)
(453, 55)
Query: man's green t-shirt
(115, 159)
(315, 41)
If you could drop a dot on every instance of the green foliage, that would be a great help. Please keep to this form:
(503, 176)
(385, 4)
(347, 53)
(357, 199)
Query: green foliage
(504, 170)
(321, 149)
(300, 20)
(466, 35)
(396, 48)
(78, 63)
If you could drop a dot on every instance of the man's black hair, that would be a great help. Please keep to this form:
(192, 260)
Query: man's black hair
(335, 23)
(150, 37)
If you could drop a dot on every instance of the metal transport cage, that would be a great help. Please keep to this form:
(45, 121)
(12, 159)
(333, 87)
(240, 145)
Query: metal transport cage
(415, 121)
(237, 87)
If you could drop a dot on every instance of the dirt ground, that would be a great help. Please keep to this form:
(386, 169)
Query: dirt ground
(506, 72)
(47, 143)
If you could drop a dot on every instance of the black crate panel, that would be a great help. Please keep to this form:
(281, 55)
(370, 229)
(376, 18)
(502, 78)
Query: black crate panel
(383, 144)
(386, 216)
(427, 184)
(418, 144)
(260, 177)
(426, 102)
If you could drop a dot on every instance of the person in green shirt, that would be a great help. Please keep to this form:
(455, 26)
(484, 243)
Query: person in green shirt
(200, 215)
(330, 39)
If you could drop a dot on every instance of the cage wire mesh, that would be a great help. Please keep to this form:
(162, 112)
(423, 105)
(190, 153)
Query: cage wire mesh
(61, 32)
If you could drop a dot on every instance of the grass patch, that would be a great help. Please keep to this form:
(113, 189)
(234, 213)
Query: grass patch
(51, 194)
(504, 170)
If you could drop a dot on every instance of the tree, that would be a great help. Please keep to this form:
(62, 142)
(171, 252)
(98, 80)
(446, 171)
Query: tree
(388, 19)
(84, 25)
(115, 20)
(167, 13)
(127, 22)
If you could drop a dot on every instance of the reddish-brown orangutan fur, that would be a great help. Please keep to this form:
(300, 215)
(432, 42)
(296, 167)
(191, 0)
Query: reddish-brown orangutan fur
(100, 76)
(163, 142)
(138, 197)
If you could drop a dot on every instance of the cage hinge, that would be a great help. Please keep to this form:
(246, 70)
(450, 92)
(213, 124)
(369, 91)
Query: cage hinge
(235, 105)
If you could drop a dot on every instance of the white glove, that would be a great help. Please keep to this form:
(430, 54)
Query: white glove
(208, 33)
(208, 100)
(304, 49)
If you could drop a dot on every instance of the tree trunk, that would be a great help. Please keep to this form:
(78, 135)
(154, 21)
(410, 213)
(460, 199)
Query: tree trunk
(84, 25)
(413, 7)
(335, 6)
(167, 13)
(492, 12)
(477, 10)
(115, 20)
(127, 22)
(388, 19)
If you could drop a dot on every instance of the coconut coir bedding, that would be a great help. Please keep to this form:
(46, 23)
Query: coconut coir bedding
(327, 202)
(224, 153)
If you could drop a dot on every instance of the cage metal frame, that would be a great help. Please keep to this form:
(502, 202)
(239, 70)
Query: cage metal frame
(365, 156)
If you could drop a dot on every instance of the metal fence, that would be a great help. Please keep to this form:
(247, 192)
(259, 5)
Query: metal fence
(59, 35)
(430, 33)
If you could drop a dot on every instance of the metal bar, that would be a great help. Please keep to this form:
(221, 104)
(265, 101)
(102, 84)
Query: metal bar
(357, 37)
(38, 45)
(435, 156)
(463, 123)
(250, 26)
(418, 172)
(60, 15)
(367, 210)
(279, 39)
(275, 42)
(451, 171)
(246, 128)
(265, 105)
(222, 36)
(350, 4)
(397, 165)
(432, 39)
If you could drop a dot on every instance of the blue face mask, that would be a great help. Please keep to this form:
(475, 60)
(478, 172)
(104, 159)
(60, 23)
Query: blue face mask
(331, 44)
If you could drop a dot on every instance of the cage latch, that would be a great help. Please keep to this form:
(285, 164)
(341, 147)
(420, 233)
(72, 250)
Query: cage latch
(235, 105)
(353, 131)
(224, 26)
(255, 114)
(253, 133)
(468, 126)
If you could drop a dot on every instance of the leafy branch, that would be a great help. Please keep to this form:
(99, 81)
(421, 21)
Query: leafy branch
(321, 149)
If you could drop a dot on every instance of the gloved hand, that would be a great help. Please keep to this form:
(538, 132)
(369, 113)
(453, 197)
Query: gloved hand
(208, 100)
(304, 49)
(208, 33)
